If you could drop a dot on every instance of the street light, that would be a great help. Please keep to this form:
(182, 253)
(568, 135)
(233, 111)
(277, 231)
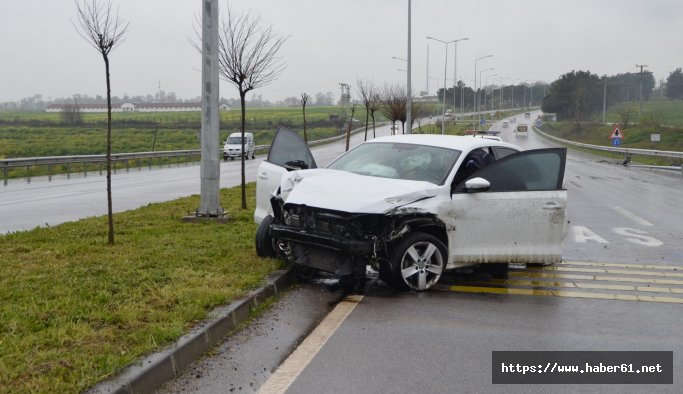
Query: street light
(479, 95)
(485, 85)
(399, 58)
(455, 69)
(500, 83)
(445, 67)
(474, 98)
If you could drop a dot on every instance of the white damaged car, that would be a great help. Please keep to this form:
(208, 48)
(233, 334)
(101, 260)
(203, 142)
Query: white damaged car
(411, 206)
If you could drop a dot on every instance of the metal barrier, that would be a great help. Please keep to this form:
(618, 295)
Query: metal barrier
(628, 152)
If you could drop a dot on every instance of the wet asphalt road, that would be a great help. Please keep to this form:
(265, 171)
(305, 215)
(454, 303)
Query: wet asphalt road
(620, 288)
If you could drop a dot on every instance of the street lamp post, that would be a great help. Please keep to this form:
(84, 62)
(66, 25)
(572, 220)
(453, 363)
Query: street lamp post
(485, 85)
(474, 98)
(409, 109)
(455, 68)
(445, 68)
(479, 95)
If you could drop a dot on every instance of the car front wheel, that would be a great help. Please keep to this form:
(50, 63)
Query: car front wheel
(418, 261)
(264, 240)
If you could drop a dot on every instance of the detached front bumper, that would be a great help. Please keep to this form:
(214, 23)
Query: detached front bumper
(323, 241)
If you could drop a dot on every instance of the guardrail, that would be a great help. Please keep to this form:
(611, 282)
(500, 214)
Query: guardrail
(125, 158)
(628, 152)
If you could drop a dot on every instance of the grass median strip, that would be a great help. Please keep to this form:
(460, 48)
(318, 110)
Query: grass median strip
(75, 310)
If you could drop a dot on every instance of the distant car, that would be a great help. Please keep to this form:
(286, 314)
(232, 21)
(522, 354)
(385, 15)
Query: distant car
(521, 130)
(506, 125)
(411, 206)
(527, 115)
(233, 146)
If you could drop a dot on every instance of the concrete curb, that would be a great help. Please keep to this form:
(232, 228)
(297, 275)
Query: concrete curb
(154, 370)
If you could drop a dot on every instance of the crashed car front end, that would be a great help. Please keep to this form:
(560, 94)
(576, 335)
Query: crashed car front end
(342, 242)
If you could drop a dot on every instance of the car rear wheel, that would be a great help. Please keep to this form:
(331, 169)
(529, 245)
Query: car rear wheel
(417, 262)
(264, 240)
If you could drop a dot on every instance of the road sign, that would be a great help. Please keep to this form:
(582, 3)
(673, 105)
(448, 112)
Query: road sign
(482, 122)
(616, 141)
(655, 137)
(616, 133)
(538, 123)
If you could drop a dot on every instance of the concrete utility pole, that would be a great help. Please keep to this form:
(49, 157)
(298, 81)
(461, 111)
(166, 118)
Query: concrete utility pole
(640, 94)
(455, 68)
(427, 78)
(604, 97)
(209, 202)
(409, 109)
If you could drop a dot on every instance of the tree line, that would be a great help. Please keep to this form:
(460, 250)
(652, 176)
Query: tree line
(580, 95)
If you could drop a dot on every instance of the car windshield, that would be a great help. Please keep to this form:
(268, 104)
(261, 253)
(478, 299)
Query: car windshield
(399, 161)
(234, 140)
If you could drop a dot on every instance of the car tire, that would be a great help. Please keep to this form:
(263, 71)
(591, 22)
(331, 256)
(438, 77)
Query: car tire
(407, 273)
(264, 240)
(232, 158)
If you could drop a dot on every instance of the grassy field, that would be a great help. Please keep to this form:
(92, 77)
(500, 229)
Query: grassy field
(635, 137)
(664, 112)
(44, 134)
(659, 116)
(75, 310)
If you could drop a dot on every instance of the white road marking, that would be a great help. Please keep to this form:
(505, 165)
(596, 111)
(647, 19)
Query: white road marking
(637, 237)
(285, 375)
(583, 234)
(633, 216)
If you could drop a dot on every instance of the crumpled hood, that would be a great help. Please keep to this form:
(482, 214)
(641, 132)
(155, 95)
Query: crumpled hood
(349, 192)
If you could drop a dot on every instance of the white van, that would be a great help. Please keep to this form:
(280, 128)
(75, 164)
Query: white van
(522, 130)
(233, 146)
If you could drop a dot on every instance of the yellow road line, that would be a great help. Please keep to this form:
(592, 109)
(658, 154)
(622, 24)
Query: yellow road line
(574, 285)
(617, 265)
(285, 375)
(564, 293)
(541, 274)
(609, 271)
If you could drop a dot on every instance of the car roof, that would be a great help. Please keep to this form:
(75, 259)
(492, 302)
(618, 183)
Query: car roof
(458, 142)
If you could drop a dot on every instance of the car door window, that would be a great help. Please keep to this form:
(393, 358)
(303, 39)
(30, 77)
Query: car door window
(288, 147)
(501, 152)
(540, 169)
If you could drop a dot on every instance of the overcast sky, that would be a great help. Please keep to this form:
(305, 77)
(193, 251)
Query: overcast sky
(339, 41)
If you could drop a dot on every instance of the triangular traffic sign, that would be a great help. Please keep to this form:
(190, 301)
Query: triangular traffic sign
(616, 133)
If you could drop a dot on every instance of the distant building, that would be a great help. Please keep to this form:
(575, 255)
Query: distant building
(131, 107)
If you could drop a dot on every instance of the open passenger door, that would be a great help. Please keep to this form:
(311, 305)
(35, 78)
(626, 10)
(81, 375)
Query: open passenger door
(288, 152)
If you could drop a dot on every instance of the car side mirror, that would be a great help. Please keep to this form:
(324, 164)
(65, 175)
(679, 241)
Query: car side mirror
(477, 185)
(296, 165)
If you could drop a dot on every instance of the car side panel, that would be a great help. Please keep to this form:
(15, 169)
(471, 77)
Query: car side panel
(508, 227)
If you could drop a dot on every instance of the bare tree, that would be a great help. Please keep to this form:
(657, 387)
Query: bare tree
(418, 111)
(375, 104)
(354, 105)
(102, 28)
(625, 116)
(71, 115)
(393, 105)
(304, 99)
(247, 57)
(365, 91)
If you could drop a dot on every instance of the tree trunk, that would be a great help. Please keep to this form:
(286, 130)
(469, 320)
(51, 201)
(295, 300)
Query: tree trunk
(305, 135)
(373, 124)
(367, 115)
(348, 134)
(243, 125)
(109, 204)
